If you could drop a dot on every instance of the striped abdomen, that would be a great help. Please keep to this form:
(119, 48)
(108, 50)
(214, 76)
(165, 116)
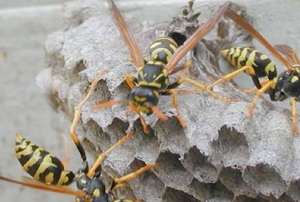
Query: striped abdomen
(262, 64)
(40, 164)
(162, 48)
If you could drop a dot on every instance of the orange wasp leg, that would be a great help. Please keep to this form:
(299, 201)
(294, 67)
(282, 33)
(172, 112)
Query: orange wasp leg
(130, 81)
(262, 82)
(293, 103)
(108, 104)
(270, 84)
(133, 175)
(143, 121)
(229, 76)
(117, 182)
(77, 114)
(104, 154)
(175, 104)
(204, 88)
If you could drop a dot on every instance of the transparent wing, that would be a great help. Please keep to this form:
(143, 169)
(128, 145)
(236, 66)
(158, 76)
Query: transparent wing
(192, 41)
(288, 52)
(37, 185)
(247, 26)
(136, 54)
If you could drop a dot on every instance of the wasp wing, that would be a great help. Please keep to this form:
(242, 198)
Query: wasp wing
(128, 38)
(289, 53)
(41, 186)
(247, 26)
(192, 41)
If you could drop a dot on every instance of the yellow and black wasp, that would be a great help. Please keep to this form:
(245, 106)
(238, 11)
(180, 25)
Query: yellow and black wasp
(253, 63)
(48, 169)
(288, 82)
(152, 79)
(259, 65)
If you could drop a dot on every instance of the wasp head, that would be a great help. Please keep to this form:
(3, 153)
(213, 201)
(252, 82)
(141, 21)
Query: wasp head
(143, 98)
(287, 85)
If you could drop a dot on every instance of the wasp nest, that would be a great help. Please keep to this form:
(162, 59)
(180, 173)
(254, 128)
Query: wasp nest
(222, 154)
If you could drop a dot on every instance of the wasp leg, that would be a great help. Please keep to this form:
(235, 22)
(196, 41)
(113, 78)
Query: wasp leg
(230, 76)
(250, 90)
(143, 121)
(133, 175)
(175, 104)
(293, 103)
(153, 108)
(131, 81)
(204, 88)
(103, 155)
(77, 114)
(118, 186)
(158, 113)
(270, 84)
(262, 83)
(108, 104)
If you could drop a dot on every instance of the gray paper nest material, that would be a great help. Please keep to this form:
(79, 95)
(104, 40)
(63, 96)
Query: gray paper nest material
(222, 155)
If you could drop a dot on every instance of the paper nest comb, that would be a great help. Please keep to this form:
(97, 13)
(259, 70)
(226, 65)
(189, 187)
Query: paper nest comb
(222, 155)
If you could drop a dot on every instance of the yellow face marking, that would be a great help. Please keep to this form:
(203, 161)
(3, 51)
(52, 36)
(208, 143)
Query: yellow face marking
(140, 99)
(83, 181)
(143, 109)
(294, 79)
(96, 193)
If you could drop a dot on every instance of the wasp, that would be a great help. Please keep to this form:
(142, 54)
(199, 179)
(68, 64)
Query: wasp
(258, 65)
(288, 82)
(152, 79)
(50, 175)
(253, 63)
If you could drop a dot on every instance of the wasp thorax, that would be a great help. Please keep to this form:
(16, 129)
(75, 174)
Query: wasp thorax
(153, 75)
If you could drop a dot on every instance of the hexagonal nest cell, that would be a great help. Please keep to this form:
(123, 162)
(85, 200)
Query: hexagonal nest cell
(222, 154)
